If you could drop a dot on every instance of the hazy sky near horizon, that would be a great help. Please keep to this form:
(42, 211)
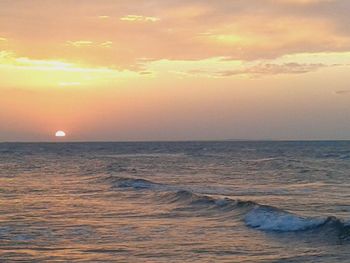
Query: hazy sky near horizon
(174, 69)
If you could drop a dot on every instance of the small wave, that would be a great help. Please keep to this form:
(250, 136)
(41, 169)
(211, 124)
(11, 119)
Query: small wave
(129, 182)
(179, 196)
(136, 183)
(189, 198)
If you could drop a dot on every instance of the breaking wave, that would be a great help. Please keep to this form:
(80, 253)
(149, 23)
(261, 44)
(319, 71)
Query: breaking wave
(254, 215)
(273, 219)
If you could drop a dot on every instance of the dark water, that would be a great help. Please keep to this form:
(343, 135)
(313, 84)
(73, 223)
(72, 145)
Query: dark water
(175, 202)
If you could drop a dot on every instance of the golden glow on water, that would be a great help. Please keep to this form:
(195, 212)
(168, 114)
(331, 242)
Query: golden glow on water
(70, 217)
(161, 202)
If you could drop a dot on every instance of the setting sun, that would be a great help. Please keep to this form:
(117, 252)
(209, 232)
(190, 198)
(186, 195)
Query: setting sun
(60, 134)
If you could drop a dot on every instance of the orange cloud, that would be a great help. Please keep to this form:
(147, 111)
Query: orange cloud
(188, 30)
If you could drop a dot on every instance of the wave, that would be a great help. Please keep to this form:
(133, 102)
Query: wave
(261, 217)
(257, 216)
(192, 200)
(128, 182)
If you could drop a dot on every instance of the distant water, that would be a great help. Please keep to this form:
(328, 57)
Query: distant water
(175, 202)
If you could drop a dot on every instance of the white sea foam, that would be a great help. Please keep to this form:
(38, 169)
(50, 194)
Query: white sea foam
(271, 219)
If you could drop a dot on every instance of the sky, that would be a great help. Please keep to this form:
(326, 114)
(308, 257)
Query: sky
(125, 70)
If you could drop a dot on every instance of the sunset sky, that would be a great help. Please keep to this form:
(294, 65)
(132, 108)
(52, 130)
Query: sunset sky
(174, 69)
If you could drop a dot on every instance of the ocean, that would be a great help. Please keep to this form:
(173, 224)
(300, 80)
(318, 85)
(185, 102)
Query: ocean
(225, 201)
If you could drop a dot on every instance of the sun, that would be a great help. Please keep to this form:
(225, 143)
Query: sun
(60, 134)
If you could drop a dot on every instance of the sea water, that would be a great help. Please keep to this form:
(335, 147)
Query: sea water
(175, 202)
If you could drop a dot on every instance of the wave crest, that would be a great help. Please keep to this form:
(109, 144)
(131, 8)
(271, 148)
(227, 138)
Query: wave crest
(129, 182)
(261, 217)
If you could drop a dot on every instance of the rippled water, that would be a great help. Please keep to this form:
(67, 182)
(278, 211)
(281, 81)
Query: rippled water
(175, 202)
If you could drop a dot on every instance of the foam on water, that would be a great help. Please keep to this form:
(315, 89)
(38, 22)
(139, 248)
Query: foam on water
(272, 219)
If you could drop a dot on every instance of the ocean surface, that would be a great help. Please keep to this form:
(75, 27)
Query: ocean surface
(175, 202)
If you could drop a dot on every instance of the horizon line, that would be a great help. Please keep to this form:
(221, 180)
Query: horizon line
(178, 141)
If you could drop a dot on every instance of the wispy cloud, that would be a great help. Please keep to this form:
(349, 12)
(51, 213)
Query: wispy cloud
(342, 92)
(303, 2)
(138, 18)
(103, 17)
(107, 44)
(272, 69)
(80, 43)
(87, 43)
